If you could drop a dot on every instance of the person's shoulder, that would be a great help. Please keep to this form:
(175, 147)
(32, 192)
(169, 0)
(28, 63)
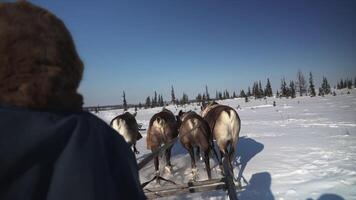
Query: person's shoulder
(85, 115)
(96, 124)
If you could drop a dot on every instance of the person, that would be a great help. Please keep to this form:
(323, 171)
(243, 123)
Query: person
(49, 147)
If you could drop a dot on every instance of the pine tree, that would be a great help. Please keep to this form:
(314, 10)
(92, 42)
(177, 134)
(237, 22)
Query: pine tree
(349, 84)
(154, 101)
(227, 94)
(124, 101)
(325, 86)
(184, 99)
(311, 85)
(255, 90)
(199, 98)
(139, 105)
(148, 102)
(248, 92)
(268, 89)
(292, 89)
(301, 83)
(234, 95)
(242, 93)
(207, 93)
(321, 92)
(341, 84)
(284, 89)
(173, 96)
(161, 101)
(355, 83)
(260, 90)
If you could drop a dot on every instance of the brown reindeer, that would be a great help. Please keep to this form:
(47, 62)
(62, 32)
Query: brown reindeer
(126, 125)
(225, 125)
(162, 129)
(194, 132)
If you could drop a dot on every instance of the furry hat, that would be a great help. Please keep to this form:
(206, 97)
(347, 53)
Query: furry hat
(39, 65)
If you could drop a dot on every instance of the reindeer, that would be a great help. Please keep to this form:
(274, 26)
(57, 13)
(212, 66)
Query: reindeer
(225, 125)
(126, 125)
(163, 128)
(195, 132)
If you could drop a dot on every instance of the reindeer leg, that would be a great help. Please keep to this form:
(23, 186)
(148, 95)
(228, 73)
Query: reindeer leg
(193, 165)
(168, 160)
(198, 153)
(215, 153)
(221, 157)
(207, 163)
(135, 150)
(156, 163)
(229, 157)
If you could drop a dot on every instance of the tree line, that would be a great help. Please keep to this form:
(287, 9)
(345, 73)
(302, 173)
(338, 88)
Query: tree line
(288, 89)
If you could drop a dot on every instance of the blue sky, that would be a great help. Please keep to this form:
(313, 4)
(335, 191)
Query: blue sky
(148, 45)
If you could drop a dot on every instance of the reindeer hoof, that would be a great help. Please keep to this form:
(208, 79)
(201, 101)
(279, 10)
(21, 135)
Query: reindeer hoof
(195, 174)
(168, 169)
(238, 185)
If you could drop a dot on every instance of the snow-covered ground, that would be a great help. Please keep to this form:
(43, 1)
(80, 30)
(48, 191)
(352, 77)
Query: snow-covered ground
(304, 148)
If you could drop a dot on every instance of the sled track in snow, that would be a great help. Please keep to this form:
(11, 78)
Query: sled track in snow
(225, 183)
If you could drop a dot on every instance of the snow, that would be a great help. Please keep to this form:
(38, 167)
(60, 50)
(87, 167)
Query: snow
(304, 148)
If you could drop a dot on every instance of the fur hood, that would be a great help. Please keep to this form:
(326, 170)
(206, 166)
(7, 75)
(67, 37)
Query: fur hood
(39, 65)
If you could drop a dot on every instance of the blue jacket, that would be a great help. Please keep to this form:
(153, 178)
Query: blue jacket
(64, 156)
